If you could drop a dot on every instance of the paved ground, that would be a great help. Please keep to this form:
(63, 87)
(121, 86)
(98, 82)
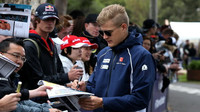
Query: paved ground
(184, 97)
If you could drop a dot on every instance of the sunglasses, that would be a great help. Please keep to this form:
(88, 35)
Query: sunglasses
(107, 32)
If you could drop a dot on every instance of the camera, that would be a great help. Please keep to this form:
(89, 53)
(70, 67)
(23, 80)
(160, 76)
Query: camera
(78, 67)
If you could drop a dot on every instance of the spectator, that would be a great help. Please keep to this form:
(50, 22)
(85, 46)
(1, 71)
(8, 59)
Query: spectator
(43, 62)
(13, 50)
(167, 32)
(147, 43)
(85, 57)
(92, 34)
(79, 18)
(186, 52)
(192, 52)
(64, 28)
(124, 64)
(71, 52)
(149, 27)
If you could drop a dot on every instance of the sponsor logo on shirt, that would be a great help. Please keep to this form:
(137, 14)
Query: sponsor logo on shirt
(144, 67)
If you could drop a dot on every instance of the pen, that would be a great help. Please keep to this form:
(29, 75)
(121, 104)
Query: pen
(79, 80)
(19, 86)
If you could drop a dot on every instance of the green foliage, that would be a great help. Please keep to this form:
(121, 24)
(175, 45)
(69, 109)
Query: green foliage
(86, 6)
(194, 65)
(50, 1)
(179, 10)
(138, 10)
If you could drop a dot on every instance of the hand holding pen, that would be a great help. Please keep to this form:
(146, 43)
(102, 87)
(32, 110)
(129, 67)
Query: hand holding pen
(78, 85)
(79, 80)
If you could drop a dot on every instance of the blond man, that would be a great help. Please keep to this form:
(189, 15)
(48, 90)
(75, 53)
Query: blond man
(125, 72)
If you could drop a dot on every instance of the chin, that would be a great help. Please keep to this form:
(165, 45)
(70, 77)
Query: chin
(110, 45)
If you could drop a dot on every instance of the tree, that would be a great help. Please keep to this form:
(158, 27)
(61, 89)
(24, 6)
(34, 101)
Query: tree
(179, 10)
(138, 10)
(61, 6)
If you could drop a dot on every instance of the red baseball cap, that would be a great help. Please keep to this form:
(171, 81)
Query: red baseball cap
(87, 43)
(71, 41)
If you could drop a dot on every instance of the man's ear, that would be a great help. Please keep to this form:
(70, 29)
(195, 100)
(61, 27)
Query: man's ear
(124, 26)
(86, 25)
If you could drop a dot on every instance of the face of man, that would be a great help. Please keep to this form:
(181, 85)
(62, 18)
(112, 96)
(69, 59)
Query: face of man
(46, 25)
(92, 29)
(16, 53)
(86, 53)
(114, 34)
(75, 54)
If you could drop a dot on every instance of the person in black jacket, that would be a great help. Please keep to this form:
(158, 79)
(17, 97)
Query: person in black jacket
(92, 34)
(43, 62)
(14, 51)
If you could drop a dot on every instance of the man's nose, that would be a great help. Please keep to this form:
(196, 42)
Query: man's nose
(105, 36)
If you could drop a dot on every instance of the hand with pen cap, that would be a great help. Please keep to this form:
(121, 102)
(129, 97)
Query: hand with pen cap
(75, 73)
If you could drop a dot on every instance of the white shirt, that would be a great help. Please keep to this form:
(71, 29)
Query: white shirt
(66, 62)
(85, 75)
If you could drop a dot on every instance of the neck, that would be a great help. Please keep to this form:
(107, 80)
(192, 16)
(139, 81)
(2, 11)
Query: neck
(42, 34)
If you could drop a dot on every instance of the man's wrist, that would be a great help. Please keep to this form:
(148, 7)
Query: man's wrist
(101, 102)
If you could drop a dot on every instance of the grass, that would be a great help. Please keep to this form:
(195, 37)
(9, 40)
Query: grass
(183, 78)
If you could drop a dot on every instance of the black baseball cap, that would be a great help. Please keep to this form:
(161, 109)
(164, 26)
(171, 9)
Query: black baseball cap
(46, 10)
(148, 23)
(91, 18)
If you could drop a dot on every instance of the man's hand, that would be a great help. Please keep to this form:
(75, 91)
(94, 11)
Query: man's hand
(79, 85)
(54, 110)
(40, 91)
(156, 55)
(91, 103)
(9, 102)
(174, 66)
(74, 73)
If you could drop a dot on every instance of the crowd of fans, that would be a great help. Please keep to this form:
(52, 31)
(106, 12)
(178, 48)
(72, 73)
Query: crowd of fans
(78, 40)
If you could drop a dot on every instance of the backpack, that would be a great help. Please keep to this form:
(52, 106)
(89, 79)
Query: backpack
(35, 43)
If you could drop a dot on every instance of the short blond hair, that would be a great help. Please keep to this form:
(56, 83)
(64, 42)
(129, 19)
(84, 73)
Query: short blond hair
(114, 12)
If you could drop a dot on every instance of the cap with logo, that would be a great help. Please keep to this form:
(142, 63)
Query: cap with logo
(71, 41)
(45, 11)
(87, 43)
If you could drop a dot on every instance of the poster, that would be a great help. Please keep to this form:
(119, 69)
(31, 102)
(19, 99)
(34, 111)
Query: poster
(15, 20)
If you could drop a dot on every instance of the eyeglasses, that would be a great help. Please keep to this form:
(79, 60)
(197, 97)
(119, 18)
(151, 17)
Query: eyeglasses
(17, 56)
(107, 32)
